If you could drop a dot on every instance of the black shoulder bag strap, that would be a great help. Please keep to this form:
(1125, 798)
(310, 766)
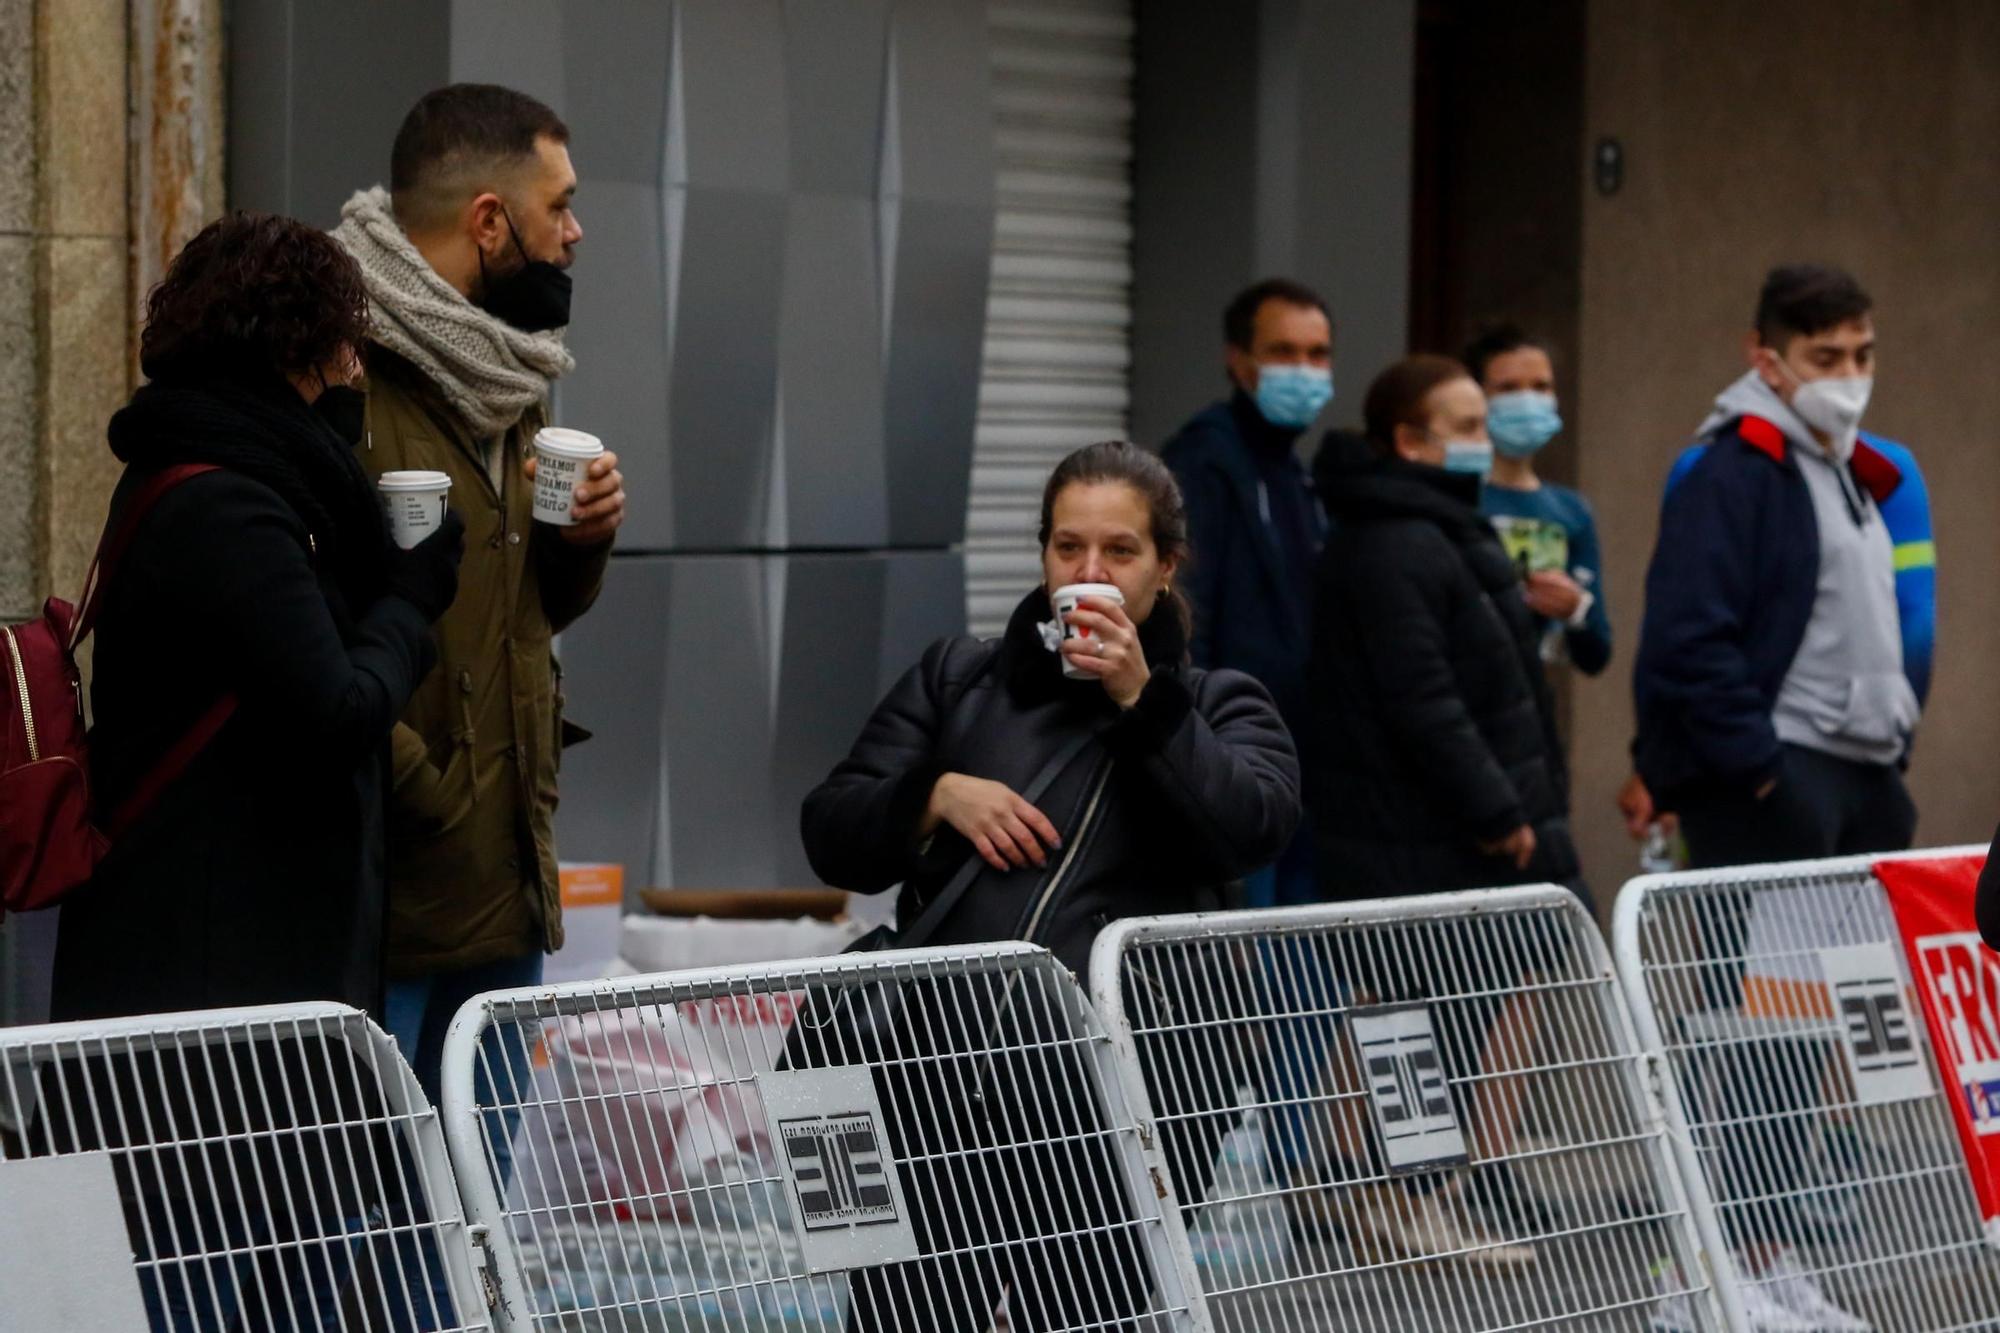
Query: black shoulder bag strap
(948, 897)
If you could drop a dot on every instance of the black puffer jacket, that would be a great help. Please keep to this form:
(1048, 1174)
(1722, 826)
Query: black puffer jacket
(1199, 786)
(1432, 718)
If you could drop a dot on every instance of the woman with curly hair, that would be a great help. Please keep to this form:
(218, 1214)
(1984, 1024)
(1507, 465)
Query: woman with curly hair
(264, 594)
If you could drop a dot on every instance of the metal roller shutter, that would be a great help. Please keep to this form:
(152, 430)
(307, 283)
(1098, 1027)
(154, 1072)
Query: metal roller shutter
(1059, 309)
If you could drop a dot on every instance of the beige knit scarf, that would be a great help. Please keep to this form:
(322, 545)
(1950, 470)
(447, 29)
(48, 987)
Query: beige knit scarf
(488, 370)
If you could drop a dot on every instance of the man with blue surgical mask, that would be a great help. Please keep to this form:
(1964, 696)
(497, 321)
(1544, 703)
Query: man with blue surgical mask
(1547, 529)
(1253, 521)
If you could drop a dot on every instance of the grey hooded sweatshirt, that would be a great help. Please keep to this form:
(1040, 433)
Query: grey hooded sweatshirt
(1845, 694)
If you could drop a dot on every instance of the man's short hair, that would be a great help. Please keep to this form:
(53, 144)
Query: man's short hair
(456, 139)
(1496, 340)
(1804, 299)
(1239, 319)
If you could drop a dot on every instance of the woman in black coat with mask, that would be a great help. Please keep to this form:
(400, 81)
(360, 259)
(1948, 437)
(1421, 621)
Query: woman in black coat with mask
(1156, 784)
(265, 594)
(256, 876)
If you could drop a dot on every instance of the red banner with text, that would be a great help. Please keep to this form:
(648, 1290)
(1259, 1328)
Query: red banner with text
(1958, 984)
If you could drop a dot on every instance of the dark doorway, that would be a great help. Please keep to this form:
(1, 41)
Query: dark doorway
(1497, 210)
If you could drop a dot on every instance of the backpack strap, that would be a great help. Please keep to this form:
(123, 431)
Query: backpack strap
(110, 553)
(117, 540)
(170, 766)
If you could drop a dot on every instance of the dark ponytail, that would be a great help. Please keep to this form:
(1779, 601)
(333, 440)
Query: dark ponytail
(1142, 470)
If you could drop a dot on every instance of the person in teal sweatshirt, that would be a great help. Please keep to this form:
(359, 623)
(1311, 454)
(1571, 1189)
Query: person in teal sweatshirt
(1547, 529)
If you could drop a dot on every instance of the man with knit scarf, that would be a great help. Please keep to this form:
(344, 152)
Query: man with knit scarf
(464, 258)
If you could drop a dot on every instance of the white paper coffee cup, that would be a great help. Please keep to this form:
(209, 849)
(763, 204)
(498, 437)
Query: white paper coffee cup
(1065, 600)
(561, 459)
(414, 503)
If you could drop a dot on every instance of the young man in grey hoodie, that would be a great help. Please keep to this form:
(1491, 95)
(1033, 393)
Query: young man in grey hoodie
(1775, 715)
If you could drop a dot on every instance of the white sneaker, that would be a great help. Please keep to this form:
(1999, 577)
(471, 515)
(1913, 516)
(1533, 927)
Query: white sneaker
(1788, 1283)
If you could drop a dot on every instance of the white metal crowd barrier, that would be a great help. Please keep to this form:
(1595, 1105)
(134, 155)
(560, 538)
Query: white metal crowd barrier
(1411, 1114)
(895, 1141)
(1806, 1155)
(269, 1169)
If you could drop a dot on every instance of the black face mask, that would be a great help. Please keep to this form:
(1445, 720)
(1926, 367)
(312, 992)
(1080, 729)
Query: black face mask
(534, 298)
(345, 409)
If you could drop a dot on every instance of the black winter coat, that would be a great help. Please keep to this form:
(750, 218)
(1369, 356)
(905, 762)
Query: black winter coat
(1200, 786)
(258, 876)
(1255, 527)
(1432, 716)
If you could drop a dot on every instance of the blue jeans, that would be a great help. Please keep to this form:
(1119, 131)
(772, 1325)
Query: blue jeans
(1304, 997)
(420, 1011)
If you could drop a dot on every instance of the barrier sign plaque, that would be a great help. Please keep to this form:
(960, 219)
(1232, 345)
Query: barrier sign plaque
(1397, 1051)
(832, 1145)
(1866, 989)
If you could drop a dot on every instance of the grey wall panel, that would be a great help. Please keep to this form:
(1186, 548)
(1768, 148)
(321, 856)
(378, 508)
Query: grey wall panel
(938, 235)
(718, 732)
(724, 369)
(830, 336)
(317, 93)
(923, 599)
(615, 60)
(726, 149)
(835, 61)
(827, 677)
(619, 389)
(515, 43)
(615, 679)
(830, 377)
(732, 63)
(942, 263)
(722, 689)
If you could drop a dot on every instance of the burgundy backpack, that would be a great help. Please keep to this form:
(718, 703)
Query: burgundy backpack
(51, 837)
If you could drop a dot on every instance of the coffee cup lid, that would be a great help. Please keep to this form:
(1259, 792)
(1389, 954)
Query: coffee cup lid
(414, 481)
(1105, 590)
(566, 443)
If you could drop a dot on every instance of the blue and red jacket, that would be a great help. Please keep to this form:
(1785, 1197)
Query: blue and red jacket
(1729, 593)
(1907, 515)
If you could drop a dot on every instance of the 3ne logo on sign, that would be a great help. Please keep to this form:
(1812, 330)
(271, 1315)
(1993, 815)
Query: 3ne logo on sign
(836, 1164)
(1963, 981)
(1877, 1025)
(1407, 1086)
(1864, 984)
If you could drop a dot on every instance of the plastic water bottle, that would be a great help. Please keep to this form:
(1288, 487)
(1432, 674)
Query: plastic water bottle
(1657, 856)
(1244, 1230)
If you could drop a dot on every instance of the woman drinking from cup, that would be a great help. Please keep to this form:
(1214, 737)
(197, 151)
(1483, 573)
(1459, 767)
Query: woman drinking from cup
(1037, 787)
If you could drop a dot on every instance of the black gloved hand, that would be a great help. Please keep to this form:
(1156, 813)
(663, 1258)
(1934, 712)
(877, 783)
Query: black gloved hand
(426, 575)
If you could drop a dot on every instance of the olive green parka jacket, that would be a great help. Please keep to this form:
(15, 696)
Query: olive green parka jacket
(472, 865)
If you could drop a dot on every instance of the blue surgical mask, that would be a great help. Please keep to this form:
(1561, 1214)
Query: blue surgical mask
(1474, 456)
(1520, 423)
(1289, 397)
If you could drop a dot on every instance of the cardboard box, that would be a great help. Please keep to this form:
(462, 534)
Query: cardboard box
(593, 900)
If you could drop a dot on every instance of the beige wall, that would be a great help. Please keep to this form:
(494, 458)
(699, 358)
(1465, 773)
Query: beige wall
(1861, 134)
